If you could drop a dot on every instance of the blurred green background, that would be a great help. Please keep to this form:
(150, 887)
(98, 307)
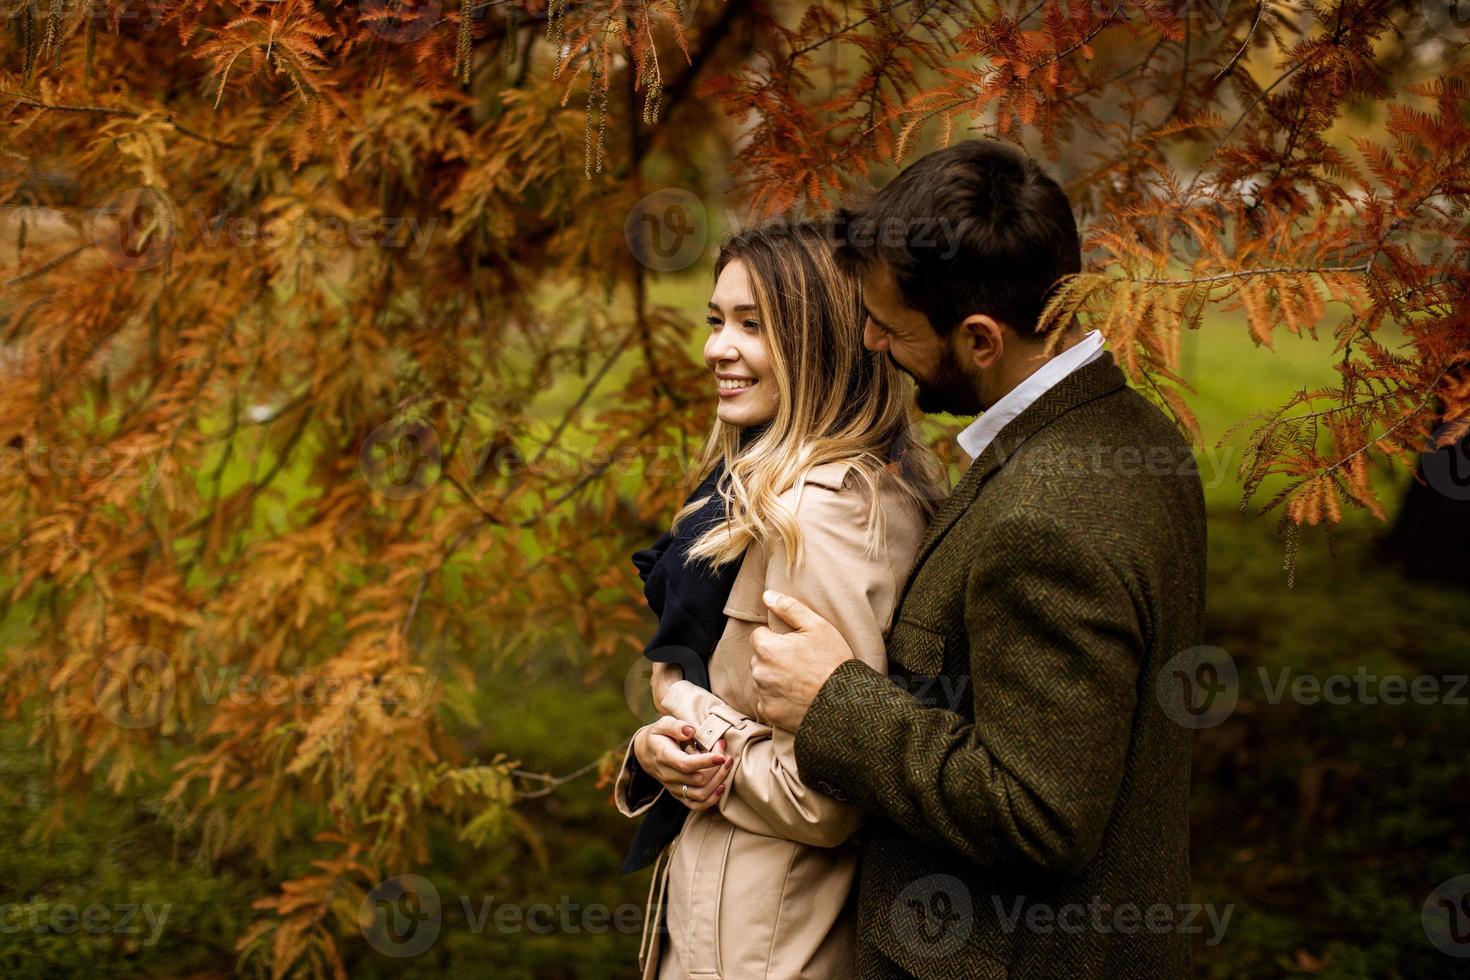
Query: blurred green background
(1324, 827)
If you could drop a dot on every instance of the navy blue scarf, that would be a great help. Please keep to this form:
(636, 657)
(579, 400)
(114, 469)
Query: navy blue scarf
(689, 599)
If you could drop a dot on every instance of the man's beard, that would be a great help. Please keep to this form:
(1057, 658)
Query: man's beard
(951, 391)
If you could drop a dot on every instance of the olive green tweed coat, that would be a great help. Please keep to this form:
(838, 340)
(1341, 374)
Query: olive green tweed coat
(1026, 789)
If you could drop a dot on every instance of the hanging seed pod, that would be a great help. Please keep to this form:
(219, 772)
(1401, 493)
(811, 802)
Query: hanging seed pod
(91, 45)
(512, 34)
(594, 77)
(55, 22)
(652, 83)
(463, 42)
(25, 27)
(556, 11)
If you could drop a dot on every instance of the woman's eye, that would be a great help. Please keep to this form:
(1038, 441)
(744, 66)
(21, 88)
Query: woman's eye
(713, 321)
(752, 325)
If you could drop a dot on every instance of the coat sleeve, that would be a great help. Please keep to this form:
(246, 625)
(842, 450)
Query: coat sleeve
(856, 594)
(1056, 641)
(634, 790)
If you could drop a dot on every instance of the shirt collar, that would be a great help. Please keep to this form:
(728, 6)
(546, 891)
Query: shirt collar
(981, 432)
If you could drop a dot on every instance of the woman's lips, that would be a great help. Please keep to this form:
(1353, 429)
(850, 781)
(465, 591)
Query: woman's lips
(732, 392)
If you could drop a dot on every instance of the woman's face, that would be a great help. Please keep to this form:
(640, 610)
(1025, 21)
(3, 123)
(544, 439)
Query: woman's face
(736, 352)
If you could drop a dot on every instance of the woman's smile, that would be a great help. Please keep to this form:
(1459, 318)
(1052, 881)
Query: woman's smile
(730, 387)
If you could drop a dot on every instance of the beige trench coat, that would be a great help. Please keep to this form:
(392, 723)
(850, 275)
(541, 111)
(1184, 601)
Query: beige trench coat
(759, 886)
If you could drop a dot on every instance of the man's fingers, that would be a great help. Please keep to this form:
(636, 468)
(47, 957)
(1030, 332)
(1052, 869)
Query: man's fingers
(768, 645)
(791, 610)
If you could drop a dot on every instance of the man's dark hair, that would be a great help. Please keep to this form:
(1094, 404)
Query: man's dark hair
(977, 227)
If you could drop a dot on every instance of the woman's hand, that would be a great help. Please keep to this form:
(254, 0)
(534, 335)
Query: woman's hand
(696, 779)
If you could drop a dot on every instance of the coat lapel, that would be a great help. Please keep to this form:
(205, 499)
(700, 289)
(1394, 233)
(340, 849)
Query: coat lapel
(1087, 383)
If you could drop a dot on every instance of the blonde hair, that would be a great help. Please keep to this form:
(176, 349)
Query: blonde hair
(836, 400)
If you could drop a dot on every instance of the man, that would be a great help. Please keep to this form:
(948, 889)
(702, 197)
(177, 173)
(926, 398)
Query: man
(1025, 790)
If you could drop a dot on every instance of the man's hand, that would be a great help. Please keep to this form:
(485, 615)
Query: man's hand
(790, 668)
(695, 779)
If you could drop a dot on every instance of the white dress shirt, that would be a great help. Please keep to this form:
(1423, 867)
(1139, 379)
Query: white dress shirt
(981, 432)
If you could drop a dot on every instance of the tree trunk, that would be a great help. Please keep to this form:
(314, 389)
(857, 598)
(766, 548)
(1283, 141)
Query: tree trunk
(1431, 537)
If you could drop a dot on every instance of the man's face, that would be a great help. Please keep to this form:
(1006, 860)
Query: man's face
(945, 382)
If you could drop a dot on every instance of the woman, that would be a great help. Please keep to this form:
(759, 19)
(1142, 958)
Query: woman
(813, 485)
